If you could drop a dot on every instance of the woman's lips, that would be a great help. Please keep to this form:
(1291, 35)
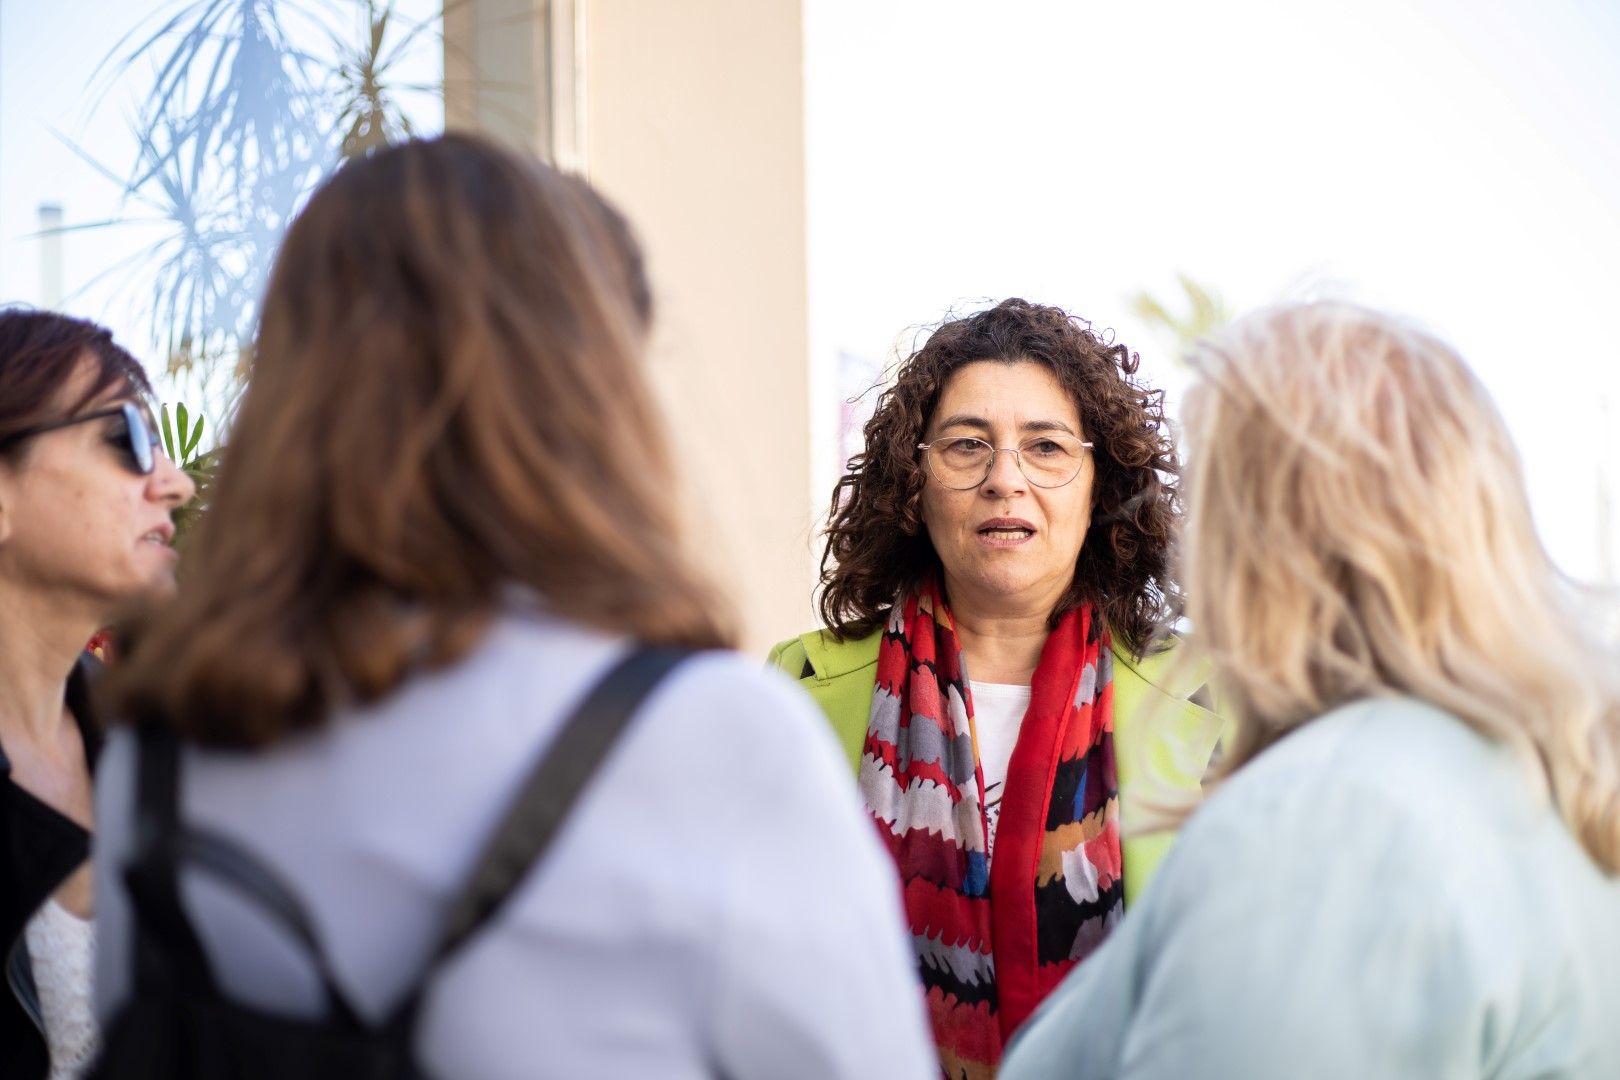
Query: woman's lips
(1005, 532)
(161, 538)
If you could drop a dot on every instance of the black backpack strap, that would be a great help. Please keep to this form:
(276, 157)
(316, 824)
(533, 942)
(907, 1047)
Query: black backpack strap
(167, 847)
(550, 791)
(165, 945)
(552, 788)
(225, 861)
(547, 795)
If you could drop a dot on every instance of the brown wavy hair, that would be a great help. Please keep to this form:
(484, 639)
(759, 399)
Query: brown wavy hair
(445, 409)
(876, 545)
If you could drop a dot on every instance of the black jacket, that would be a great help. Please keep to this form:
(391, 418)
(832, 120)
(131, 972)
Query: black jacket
(39, 848)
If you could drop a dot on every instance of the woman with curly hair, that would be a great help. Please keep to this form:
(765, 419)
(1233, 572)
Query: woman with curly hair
(996, 593)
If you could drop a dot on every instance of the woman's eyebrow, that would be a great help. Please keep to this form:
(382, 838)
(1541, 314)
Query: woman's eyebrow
(1049, 425)
(980, 423)
(965, 420)
(106, 401)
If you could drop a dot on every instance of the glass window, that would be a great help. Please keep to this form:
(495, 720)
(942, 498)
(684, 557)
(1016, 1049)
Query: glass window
(151, 156)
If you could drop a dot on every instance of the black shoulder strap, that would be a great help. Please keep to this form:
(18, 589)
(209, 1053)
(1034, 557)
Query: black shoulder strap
(548, 794)
(163, 844)
(164, 944)
(532, 821)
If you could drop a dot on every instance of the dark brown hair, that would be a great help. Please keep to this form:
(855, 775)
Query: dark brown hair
(445, 405)
(876, 545)
(40, 351)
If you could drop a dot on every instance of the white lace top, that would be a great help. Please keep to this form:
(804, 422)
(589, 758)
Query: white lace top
(62, 949)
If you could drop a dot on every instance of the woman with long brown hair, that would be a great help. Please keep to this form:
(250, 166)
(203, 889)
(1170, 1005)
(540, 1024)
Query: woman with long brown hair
(1411, 867)
(443, 513)
(86, 498)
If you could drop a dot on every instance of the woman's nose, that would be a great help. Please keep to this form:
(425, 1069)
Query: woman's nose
(1006, 474)
(169, 482)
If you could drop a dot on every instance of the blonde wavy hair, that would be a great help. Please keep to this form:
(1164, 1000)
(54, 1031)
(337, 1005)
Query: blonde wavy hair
(1358, 526)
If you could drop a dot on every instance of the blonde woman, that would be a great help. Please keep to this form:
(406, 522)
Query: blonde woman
(1410, 867)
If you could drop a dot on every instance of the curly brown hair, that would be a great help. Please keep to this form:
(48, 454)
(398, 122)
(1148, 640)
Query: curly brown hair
(876, 545)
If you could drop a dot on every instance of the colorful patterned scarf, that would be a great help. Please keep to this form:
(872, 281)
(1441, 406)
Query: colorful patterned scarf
(993, 940)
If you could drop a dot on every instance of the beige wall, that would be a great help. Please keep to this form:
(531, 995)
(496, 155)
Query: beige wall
(694, 121)
(692, 118)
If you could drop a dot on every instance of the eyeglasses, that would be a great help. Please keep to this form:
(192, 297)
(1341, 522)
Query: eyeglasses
(1047, 461)
(136, 438)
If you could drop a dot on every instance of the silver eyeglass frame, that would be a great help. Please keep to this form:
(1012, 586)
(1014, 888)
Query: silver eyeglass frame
(990, 465)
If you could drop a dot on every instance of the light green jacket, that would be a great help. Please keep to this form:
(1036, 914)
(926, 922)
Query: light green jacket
(1163, 741)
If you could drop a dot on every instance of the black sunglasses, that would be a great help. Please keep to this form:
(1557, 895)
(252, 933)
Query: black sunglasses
(137, 440)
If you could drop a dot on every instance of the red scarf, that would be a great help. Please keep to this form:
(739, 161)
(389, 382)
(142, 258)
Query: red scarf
(993, 940)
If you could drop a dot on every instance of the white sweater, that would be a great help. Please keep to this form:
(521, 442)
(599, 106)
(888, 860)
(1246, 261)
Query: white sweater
(1380, 894)
(718, 903)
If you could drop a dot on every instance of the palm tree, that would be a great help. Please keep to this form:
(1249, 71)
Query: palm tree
(252, 104)
(371, 116)
(1205, 312)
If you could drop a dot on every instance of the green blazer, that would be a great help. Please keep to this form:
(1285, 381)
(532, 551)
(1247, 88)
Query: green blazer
(1163, 741)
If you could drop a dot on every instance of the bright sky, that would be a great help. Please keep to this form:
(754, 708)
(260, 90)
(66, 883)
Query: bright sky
(49, 53)
(53, 88)
(1457, 161)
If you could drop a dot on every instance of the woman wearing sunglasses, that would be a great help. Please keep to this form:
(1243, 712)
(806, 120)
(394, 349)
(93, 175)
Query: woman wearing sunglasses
(996, 597)
(85, 505)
